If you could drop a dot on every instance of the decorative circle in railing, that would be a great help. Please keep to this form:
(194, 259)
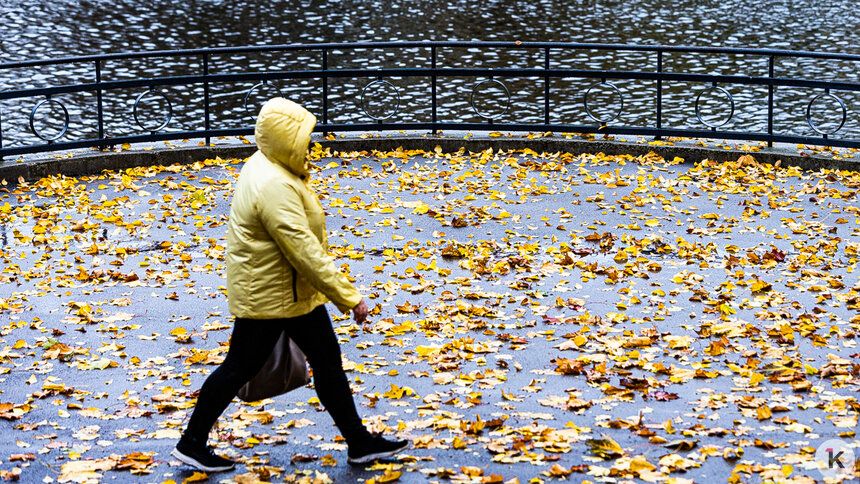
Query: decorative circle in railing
(620, 100)
(699, 111)
(259, 85)
(380, 86)
(50, 102)
(809, 113)
(137, 115)
(487, 114)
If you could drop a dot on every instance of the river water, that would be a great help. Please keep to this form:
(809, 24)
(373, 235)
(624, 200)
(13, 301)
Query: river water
(36, 30)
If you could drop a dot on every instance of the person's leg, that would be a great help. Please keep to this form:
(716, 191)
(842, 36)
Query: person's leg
(251, 344)
(314, 335)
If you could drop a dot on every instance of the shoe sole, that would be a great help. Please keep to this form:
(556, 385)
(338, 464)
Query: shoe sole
(379, 455)
(194, 463)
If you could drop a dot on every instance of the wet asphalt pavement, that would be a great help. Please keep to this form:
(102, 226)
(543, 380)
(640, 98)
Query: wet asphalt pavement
(702, 317)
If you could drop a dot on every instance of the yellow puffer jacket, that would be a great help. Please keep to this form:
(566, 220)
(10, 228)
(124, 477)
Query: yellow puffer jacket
(278, 265)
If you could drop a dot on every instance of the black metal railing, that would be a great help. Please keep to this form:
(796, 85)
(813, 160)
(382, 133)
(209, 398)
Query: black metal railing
(548, 71)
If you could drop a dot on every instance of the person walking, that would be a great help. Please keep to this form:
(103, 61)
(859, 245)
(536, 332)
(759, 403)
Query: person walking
(279, 277)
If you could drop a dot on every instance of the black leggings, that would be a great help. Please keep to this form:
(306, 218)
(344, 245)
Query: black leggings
(252, 343)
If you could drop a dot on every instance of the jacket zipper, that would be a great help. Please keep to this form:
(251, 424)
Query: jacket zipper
(295, 294)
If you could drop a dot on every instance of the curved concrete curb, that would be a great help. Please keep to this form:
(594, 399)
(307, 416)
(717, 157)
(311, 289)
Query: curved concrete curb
(93, 163)
(98, 161)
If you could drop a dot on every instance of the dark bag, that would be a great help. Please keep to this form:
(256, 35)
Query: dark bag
(285, 370)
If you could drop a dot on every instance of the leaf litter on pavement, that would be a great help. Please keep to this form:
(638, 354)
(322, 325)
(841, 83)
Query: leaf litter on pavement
(535, 317)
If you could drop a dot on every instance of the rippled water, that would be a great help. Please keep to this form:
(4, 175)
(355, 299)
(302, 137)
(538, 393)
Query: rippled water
(64, 28)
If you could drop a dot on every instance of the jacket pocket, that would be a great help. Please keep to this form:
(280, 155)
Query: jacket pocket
(295, 284)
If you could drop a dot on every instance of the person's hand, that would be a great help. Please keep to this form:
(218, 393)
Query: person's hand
(359, 312)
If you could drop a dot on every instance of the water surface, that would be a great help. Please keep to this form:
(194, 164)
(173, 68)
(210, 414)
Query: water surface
(36, 30)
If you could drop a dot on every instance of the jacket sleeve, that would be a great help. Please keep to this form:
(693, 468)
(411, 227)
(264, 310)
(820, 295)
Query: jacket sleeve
(284, 218)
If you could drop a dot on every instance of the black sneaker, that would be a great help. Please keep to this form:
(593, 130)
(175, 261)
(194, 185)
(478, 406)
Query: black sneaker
(201, 457)
(373, 449)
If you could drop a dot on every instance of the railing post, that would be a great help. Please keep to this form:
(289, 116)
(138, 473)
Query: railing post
(770, 102)
(546, 87)
(99, 103)
(490, 120)
(206, 124)
(433, 88)
(714, 128)
(659, 94)
(826, 91)
(379, 121)
(1, 134)
(325, 86)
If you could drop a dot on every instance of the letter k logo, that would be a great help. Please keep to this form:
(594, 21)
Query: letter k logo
(834, 459)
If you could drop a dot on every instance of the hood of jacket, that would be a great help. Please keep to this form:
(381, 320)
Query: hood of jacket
(283, 133)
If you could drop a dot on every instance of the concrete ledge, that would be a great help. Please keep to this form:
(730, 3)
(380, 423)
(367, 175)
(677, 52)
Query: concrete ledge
(95, 162)
(88, 163)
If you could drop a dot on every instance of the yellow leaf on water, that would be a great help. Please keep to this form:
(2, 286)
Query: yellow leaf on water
(759, 286)
(726, 309)
(558, 471)
(389, 476)
(85, 470)
(605, 448)
(639, 463)
(100, 364)
(407, 308)
(799, 428)
(682, 445)
(196, 477)
(427, 350)
(172, 434)
(670, 429)
(511, 397)
(391, 287)
(396, 392)
(636, 342)
(763, 412)
(678, 342)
